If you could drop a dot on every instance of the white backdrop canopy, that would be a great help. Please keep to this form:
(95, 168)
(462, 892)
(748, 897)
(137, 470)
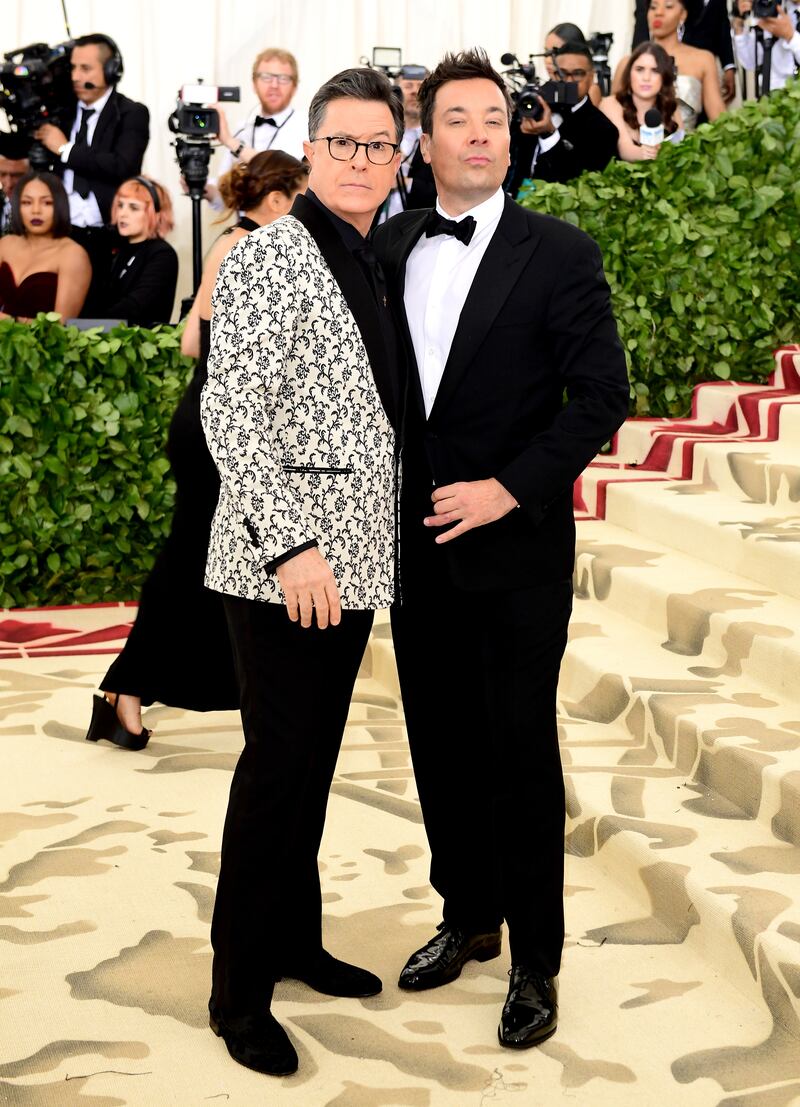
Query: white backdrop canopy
(167, 44)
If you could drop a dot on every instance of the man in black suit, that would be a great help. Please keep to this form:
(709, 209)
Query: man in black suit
(104, 146)
(561, 145)
(506, 309)
(707, 27)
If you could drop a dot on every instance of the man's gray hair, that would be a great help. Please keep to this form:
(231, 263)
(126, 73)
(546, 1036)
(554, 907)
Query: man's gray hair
(355, 84)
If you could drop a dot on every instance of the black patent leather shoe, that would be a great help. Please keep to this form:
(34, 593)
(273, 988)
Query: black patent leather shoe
(258, 1042)
(332, 977)
(444, 956)
(530, 1013)
(106, 725)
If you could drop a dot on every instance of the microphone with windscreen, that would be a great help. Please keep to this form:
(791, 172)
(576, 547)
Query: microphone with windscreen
(651, 132)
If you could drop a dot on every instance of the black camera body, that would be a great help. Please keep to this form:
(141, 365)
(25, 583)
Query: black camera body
(36, 88)
(193, 119)
(556, 94)
(765, 9)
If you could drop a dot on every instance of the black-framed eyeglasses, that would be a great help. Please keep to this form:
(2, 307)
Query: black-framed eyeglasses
(345, 149)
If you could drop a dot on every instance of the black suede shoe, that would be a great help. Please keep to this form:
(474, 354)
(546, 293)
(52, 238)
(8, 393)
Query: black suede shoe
(530, 1013)
(443, 957)
(258, 1042)
(326, 974)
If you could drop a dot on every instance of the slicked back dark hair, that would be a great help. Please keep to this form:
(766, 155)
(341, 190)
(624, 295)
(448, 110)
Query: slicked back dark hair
(577, 48)
(61, 224)
(355, 84)
(465, 66)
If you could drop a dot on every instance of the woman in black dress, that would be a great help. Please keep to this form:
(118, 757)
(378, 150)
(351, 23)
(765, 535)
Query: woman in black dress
(178, 651)
(144, 271)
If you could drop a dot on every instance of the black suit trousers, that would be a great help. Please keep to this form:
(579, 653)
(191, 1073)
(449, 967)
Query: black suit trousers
(478, 674)
(295, 685)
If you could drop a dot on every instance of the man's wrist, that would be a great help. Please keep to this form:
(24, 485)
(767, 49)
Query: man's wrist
(236, 151)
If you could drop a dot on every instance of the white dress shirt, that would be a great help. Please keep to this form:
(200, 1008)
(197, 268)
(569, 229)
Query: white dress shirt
(439, 274)
(288, 134)
(83, 211)
(785, 55)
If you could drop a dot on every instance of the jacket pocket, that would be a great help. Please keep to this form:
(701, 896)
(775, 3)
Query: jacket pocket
(316, 469)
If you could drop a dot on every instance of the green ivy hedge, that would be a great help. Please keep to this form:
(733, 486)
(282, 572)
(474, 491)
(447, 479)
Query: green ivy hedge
(701, 248)
(85, 500)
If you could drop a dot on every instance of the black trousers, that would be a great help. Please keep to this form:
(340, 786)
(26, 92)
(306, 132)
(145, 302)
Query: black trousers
(478, 674)
(295, 686)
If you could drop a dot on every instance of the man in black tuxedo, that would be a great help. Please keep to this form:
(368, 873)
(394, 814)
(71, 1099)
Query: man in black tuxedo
(104, 146)
(506, 309)
(562, 145)
(707, 27)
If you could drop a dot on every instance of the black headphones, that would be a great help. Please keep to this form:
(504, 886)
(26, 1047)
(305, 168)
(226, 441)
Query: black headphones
(113, 67)
(143, 181)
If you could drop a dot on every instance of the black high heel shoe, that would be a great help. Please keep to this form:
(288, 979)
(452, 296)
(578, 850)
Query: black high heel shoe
(106, 725)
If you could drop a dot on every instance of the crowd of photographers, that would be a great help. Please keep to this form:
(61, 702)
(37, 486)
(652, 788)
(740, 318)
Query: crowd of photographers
(82, 232)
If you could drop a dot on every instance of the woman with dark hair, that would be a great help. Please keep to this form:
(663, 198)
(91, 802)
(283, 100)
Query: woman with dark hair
(175, 606)
(697, 84)
(41, 268)
(144, 271)
(646, 82)
(554, 40)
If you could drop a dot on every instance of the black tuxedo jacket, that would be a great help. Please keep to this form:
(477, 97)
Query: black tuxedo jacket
(118, 145)
(536, 324)
(588, 143)
(144, 291)
(710, 29)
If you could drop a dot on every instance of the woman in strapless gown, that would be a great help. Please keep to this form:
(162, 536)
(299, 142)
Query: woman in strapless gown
(178, 651)
(697, 77)
(41, 268)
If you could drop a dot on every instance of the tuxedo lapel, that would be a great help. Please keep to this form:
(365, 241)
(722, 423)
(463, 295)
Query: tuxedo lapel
(359, 296)
(396, 259)
(511, 246)
(107, 120)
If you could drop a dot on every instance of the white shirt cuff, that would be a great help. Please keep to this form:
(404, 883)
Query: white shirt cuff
(547, 142)
(66, 151)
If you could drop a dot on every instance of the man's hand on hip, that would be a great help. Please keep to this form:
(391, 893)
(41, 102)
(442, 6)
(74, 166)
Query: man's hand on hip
(309, 586)
(469, 504)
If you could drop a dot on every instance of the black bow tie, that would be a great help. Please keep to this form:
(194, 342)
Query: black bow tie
(265, 119)
(463, 230)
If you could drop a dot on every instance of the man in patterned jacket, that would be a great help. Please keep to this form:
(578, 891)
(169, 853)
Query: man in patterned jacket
(299, 412)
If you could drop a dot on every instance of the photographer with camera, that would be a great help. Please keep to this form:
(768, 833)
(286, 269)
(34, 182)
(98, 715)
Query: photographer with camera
(557, 37)
(104, 146)
(273, 125)
(14, 165)
(767, 37)
(560, 145)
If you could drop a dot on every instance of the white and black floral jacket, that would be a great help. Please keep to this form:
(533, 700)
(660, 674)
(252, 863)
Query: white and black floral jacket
(295, 414)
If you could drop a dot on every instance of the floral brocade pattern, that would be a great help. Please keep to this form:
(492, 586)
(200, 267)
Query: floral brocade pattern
(295, 424)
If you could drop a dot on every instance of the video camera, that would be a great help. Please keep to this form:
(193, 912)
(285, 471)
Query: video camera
(600, 45)
(389, 59)
(526, 88)
(195, 123)
(36, 88)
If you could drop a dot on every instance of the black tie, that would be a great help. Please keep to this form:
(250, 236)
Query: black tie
(463, 230)
(80, 184)
(265, 119)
